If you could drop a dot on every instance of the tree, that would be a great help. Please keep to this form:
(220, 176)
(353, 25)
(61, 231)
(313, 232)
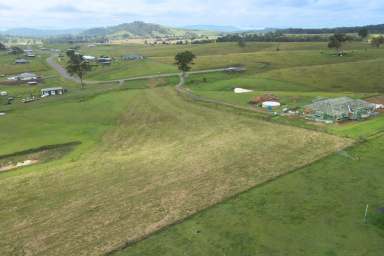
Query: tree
(241, 42)
(76, 65)
(2, 47)
(377, 41)
(337, 41)
(184, 60)
(363, 33)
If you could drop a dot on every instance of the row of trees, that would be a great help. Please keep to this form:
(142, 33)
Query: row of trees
(270, 37)
(338, 40)
(76, 64)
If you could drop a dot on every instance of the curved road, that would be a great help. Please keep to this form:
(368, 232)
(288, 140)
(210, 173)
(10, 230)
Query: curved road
(52, 62)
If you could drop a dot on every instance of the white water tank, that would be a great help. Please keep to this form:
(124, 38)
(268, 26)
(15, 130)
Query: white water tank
(271, 104)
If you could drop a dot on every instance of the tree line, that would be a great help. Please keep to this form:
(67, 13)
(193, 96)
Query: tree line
(276, 36)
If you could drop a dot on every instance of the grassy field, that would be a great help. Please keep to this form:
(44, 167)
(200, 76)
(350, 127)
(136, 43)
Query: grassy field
(150, 158)
(318, 210)
(256, 57)
(170, 159)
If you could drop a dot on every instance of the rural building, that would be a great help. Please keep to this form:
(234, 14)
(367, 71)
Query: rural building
(21, 61)
(235, 69)
(132, 57)
(104, 60)
(52, 91)
(340, 109)
(89, 58)
(23, 77)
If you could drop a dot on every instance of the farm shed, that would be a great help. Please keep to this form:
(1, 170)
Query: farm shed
(235, 69)
(21, 61)
(132, 57)
(89, 58)
(23, 77)
(339, 109)
(52, 91)
(105, 60)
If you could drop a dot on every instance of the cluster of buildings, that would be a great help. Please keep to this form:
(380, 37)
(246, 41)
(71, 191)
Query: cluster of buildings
(106, 60)
(340, 109)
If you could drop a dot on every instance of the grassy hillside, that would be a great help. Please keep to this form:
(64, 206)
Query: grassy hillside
(149, 158)
(316, 211)
(256, 57)
(170, 159)
(142, 30)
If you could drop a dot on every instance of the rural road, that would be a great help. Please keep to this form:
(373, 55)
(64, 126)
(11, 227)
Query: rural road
(53, 63)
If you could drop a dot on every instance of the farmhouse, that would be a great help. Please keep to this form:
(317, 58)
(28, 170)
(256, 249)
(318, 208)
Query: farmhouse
(52, 91)
(23, 77)
(89, 58)
(105, 60)
(340, 109)
(21, 61)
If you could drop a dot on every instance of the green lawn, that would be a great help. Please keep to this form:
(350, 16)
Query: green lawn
(124, 69)
(318, 210)
(148, 159)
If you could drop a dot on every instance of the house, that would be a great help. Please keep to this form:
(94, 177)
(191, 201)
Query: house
(24, 77)
(89, 58)
(52, 91)
(21, 61)
(104, 60)
(132, 57)
(339, 109)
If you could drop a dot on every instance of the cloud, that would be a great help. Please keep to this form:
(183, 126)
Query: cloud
(5, 7)
(64, 8)
(243, 13)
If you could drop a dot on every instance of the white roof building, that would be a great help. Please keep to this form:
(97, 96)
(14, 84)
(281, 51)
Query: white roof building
(89, 58)
(23, 77)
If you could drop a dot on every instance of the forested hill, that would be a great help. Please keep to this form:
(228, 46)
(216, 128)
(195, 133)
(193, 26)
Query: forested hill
(371, 28)
(140, 29)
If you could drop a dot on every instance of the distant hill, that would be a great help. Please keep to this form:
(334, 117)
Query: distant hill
(38, 33)
(226, 29)
(140, 29)
(371, 28)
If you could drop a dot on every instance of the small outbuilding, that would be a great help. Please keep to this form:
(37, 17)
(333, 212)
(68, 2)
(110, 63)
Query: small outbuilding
(104, 60)
(24, 77)
(235, 69)
(21, 61)
(52, 91)
(132, 57)
(241, 90)
(89, 58)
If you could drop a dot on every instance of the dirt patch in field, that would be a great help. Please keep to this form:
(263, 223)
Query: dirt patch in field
(377, 100)
(34, 156)
(12, 166)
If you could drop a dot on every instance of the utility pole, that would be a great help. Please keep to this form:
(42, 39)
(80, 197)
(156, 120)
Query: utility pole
(366, 215)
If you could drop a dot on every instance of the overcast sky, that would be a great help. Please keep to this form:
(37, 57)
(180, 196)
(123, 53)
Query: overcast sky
(178, 13)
